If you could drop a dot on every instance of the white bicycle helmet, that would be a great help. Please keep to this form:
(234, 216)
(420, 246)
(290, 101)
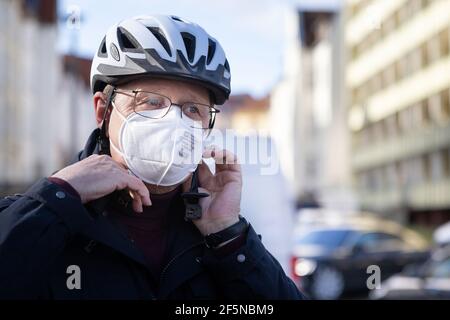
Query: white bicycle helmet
(164, 47)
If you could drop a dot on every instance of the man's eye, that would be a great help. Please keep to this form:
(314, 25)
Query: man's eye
(193, 109)
(155, 102)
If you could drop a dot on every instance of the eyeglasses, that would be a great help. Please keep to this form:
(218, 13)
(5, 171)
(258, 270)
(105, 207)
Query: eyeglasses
(159, 105)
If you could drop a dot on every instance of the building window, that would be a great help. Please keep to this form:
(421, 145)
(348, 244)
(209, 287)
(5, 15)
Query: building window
(392, 179)
(351, 11)
(416, 116)
(374, 37)
(444, 39)
(370, 181)
(364, 92)
(426, 117)
(354, 51)
(388, 26)
(426, 167)
(370, 137)
(435, 108)
(421, 115)
(433, 48)
(362, 181)
(448, 39)
(425, 57)
(378, 175)
(417, 171)
(445, 154)
(408, 172)
(405, 118)
(437, 166)
(415, 6)
(425, 3)
(399, 168)
(354, 93)
(391, 126)
(402, 14)
(389, 76)
(398, 123)
(357, 95)
(357, 140)
(378, 131)
(415, 61)
(375, 84)
(445, 103)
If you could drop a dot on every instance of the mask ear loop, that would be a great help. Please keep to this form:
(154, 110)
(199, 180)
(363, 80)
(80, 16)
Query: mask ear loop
(102, 140)
(191, 199)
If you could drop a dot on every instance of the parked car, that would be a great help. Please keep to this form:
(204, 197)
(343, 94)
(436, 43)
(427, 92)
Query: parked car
(430, 280)
(331, 260)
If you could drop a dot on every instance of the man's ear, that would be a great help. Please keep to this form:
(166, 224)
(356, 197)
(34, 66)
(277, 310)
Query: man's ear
(99, 107)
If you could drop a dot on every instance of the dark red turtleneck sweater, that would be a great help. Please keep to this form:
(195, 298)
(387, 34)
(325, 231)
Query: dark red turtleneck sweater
(148, 230)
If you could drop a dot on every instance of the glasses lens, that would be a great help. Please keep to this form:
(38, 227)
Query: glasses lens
(151, 105)
(201, 114)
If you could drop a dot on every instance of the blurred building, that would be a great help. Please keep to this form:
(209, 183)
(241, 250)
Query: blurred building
(76, 107)
(243, 113)
(40, 95)
(308, 118)
(398, 75)
(28, 89)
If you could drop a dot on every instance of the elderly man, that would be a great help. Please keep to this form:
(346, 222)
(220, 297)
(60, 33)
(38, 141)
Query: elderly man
(139, 215)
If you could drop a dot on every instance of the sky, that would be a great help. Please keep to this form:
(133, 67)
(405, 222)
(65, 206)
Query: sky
(252, 32)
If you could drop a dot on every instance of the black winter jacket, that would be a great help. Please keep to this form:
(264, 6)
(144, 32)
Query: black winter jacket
(46, 231)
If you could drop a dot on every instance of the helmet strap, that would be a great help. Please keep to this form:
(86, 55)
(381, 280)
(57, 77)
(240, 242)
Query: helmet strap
(191, 198)
(103, 141)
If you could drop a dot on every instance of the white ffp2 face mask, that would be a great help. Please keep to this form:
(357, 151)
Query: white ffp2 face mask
(160, 151)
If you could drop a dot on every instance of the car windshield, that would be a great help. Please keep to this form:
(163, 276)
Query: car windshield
(325, 238)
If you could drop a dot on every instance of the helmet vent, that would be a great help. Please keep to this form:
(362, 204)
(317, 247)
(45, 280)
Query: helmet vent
(227, 66)
(177, 18)
(159, 35)
(102, 49)
(211, 50)
(125, 42)
(189, 43)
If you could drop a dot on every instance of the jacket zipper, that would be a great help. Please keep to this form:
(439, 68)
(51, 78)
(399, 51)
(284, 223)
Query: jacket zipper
(163, 273)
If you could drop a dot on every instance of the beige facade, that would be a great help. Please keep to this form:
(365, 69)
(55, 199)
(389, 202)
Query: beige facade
(398, 75)
(28, 89)
(40, 100)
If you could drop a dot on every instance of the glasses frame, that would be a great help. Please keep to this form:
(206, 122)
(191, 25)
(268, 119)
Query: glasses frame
(212, 111)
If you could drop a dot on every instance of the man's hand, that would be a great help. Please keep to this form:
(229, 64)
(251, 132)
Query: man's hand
(221, 209)
(98, 176)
